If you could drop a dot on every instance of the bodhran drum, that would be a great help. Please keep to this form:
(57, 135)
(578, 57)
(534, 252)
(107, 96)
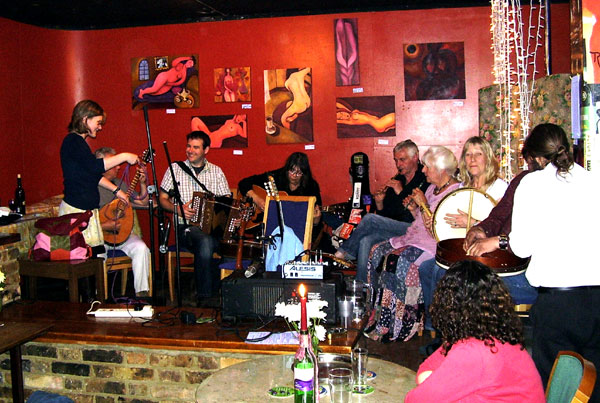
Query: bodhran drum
(465, 199)
(503, 262)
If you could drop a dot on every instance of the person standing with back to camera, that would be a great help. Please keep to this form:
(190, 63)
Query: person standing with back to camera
(555, 215)
(82, 171)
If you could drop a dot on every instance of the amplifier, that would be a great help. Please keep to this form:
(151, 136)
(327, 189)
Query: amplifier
(256, 296)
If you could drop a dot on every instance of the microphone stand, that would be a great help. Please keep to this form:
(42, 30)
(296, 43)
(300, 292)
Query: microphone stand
(177, 204)
(152, 196)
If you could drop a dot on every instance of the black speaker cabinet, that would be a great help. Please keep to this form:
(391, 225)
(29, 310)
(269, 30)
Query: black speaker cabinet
(251, 297)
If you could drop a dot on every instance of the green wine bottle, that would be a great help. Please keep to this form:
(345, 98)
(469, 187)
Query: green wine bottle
(304, 371)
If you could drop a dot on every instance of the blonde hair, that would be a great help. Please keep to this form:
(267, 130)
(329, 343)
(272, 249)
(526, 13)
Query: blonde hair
(490, 173)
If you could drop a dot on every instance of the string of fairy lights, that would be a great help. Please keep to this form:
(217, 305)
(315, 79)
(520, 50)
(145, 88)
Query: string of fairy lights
(515, 45)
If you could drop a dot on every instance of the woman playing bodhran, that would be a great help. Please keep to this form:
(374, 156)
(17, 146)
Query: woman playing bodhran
(396, 288)
(478, 169)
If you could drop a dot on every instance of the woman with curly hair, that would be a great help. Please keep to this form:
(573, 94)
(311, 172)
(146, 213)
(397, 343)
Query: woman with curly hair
(482, 357)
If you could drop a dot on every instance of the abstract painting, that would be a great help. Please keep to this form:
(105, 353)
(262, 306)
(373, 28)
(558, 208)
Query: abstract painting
(346, 51)
(366, 116)
(232, 84)
(228, 131)
(288, 105)
(163, 82)
(434, 71)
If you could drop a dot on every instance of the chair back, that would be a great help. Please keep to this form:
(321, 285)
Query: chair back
(572, 379)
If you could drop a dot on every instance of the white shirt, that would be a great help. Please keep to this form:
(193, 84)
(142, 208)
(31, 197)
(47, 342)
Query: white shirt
(497, 189)
(554, 221)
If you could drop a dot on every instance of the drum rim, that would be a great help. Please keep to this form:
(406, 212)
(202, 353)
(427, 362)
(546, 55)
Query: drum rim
(468, 188)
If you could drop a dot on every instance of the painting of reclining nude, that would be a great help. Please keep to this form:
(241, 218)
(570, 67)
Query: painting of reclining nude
(434, 71)
(366, 116)
(228, 131)
(163, 82)
(232, 84)
(288, 105)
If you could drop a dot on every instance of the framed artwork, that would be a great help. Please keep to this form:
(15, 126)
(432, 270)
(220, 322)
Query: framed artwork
(346, 51)
(227, 131)
(288, 105)
(164, 82)
(434, 71)
(366, 116)
(298, 212)
(232, 84)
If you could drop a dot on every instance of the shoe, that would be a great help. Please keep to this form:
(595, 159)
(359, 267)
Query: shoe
(142, 294)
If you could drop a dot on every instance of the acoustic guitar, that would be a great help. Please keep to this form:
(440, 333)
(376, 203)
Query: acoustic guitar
(117, 210)
(257, 217)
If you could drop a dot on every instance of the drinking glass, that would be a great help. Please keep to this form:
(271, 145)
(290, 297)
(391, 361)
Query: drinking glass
(360, 356)
(340, 385)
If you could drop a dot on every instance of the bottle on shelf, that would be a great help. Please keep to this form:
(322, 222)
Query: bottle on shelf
(304, 371)
(19, 197)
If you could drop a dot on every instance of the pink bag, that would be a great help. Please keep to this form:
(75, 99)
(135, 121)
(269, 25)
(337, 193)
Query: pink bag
(61, 238)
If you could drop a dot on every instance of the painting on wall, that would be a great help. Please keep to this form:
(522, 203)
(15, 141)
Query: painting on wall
(346, 51)
(232, 84)
(434, 71)
(227, 131)
(164, 82)
(288, 105)
(366, 116)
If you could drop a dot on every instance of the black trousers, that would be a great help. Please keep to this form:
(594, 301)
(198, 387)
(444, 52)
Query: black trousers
(566, 320)
(205, 270)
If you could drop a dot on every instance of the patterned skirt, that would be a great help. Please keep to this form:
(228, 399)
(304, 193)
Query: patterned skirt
(396, 296)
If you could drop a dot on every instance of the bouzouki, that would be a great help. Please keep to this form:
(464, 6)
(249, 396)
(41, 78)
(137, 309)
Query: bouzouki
(118, 210)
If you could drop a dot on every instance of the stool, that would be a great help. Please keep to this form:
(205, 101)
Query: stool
(70, 270)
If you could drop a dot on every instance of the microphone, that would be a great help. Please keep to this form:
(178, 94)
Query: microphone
(256, 267)
(163, 248)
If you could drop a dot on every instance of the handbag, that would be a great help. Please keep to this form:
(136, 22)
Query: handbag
(61, 238)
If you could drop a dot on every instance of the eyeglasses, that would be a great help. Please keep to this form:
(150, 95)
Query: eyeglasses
(295, 172)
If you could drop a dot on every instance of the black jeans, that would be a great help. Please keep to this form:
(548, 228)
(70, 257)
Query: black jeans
(566, 320)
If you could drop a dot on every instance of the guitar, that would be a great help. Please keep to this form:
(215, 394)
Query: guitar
(285, 245)
(117, 210)
(257, 217)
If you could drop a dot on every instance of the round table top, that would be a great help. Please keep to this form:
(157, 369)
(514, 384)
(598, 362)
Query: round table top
(250, 381)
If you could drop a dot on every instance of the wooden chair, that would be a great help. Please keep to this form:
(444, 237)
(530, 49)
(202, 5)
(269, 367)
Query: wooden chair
(118, 260)
(572, 379)
(185, 256)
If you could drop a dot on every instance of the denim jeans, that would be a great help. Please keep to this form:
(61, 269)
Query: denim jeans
(202, 246)
(372, 229)
(430, 273)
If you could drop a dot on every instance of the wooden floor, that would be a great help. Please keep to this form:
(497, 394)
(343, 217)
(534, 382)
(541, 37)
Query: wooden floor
(74, 323)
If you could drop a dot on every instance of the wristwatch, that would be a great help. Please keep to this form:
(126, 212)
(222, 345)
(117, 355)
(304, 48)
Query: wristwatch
(503, 241)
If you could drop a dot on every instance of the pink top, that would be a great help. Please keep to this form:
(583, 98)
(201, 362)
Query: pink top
(471, 372)
(417, 234)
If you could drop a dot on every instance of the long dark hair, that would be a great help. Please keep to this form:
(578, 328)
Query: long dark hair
(470, 301)
(84, 109)
(550, 141)
(299, 160)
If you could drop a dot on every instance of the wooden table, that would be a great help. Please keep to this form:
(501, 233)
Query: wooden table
(249, 381)
(12, 336)
(70, 270)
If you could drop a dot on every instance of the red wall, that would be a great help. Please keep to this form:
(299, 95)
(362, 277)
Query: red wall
(47, 71)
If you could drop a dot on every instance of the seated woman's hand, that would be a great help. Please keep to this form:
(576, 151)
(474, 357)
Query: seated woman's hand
(457, 220)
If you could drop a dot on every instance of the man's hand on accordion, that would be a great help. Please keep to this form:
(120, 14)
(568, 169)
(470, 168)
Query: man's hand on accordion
(188, 211)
